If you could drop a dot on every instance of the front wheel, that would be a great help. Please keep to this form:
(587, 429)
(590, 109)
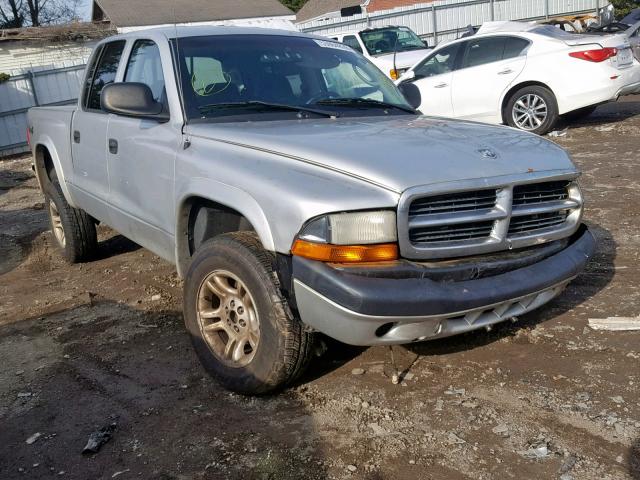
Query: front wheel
(242, 328)
(533, 109)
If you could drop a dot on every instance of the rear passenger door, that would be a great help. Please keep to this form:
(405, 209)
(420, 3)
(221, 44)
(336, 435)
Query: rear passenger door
(89, 132)
(487, 68)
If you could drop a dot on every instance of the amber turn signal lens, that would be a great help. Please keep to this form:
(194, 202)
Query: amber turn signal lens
(345, 253)
(393, 73)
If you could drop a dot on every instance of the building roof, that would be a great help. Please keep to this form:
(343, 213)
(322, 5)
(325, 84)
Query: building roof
(75, 32)
(317, 8)
(123, 13)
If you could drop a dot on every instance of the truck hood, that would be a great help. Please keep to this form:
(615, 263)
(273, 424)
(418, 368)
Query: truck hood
(403, 59)
(397, 152)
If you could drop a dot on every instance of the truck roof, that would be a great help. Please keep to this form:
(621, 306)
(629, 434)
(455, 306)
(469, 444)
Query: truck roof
(199, 31)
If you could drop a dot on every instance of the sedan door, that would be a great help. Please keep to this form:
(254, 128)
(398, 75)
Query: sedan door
(433, 77)
(488, 68)
(141, 160)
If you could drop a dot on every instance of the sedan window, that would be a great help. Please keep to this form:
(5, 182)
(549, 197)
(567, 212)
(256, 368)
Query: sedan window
(441, 61)
(514, 47)
(483, 51)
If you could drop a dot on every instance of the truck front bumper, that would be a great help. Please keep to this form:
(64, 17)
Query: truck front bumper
(370, 308)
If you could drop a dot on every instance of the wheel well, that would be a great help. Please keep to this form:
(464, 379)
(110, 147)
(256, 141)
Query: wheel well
(515, 88)
(200, 220)
(44, 164)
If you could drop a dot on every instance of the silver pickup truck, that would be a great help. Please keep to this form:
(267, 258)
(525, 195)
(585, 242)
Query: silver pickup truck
(297, 192)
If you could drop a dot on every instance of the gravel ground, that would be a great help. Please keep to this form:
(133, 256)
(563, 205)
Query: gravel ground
(102, 346)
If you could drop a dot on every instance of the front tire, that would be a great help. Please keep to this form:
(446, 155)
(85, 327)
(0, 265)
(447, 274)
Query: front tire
(241, 326)
(73, 230)
(533, 109)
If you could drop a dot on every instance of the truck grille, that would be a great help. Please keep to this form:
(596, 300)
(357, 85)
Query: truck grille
(540, 193)
(451, 232)
(454, 202)
(489, 219)
(531, 223)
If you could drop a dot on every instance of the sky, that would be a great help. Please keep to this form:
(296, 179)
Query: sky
(85, 9)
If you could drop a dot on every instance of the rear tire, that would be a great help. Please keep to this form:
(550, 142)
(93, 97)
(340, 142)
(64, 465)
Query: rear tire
(241, 326)
(533, 109)
(73, 230)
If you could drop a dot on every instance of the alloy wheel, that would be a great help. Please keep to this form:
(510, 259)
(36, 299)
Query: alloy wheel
(530, 111)
(228, 319)
(56, 223)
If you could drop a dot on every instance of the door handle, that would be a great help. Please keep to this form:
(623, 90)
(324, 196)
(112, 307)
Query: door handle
(76, 136)
(506, 71)
(113, 146)
(441, 85)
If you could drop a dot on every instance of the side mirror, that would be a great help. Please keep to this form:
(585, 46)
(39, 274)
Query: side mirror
(411, 93)
(132, 100)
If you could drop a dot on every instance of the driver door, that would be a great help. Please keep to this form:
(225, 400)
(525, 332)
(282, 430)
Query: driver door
(433, 77)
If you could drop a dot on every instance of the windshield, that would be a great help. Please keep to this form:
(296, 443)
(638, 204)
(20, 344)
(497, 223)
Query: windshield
(387, 40)
(269, 77)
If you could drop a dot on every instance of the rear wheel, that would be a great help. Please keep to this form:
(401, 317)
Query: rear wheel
(74, 231)
(241, 326)
(533, 109)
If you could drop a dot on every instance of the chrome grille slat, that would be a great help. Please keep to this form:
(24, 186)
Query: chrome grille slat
(490, 219)
(551, 206)
(455, 218)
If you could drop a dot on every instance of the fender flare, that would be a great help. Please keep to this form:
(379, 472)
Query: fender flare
(47, 143)
(223, 194)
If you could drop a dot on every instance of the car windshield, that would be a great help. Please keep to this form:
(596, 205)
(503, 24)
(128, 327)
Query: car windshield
(381, 41)
(272, 77)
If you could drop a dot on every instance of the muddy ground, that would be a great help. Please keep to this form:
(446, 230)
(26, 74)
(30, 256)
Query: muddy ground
(87, 346)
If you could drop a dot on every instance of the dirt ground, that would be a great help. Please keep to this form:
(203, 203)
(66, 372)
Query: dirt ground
(88, 346)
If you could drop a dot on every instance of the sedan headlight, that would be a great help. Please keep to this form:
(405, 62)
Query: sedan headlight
(349, 237)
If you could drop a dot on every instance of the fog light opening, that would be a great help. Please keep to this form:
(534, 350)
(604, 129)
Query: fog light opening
(382, 330)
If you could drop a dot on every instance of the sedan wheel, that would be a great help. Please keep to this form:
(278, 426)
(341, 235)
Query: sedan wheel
(530, 111)
(533, 109)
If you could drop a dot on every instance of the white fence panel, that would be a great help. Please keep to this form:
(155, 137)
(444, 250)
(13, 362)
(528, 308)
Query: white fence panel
(452, 16)
(34, 88)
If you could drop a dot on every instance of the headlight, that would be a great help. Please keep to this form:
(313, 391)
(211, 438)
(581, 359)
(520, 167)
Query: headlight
(349, 237)
(358, 228)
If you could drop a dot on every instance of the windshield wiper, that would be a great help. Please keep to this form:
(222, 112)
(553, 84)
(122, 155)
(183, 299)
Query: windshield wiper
(362, 102)
(266, 105)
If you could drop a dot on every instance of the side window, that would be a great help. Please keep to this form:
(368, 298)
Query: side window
(442, 61)
(105, 72)
(352, 41)
(514, 47)
(483, 51)
(145, 67)
(91, 71)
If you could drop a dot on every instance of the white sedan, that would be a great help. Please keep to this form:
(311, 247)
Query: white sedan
(523, 75)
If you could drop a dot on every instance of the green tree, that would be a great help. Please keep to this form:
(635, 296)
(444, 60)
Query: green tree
(623, 7)
(294, 5)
